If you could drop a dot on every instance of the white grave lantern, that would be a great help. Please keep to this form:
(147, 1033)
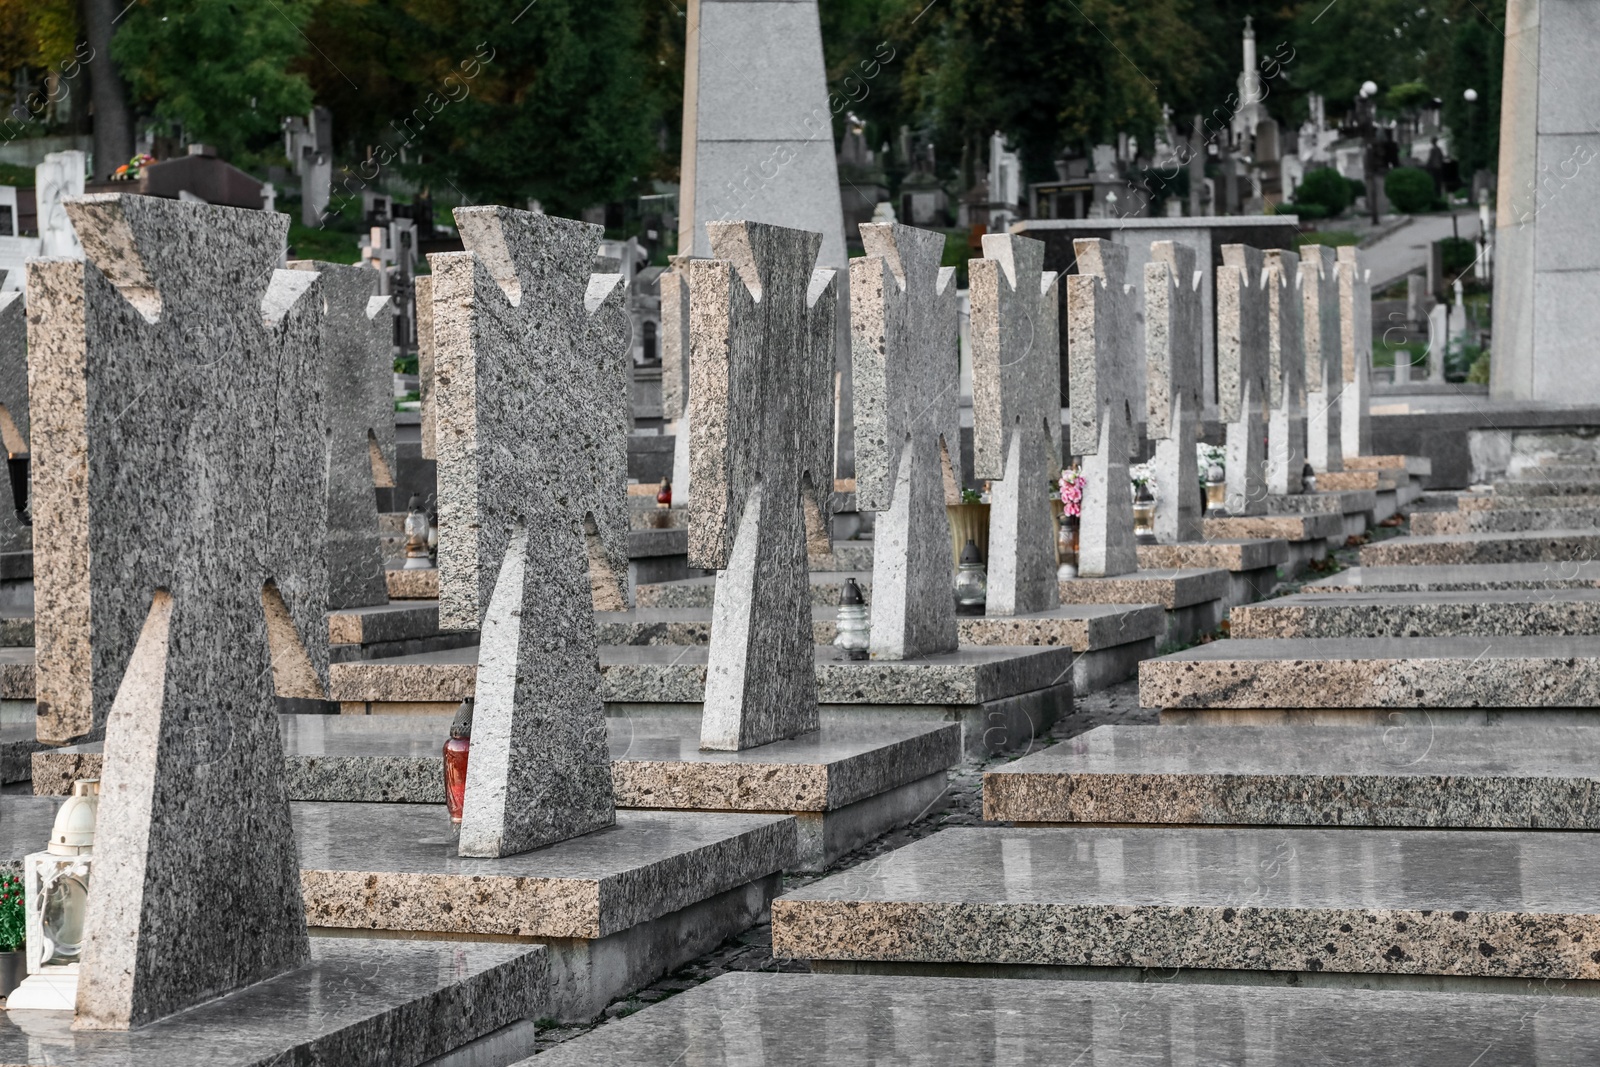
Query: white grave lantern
(56, 891)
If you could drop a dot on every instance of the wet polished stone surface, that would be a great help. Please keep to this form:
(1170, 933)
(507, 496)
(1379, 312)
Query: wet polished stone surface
(358, 1002)
(1577, 574)
(1399, 672)
(790, 1020)
(1410, 771)
(1487, 613)
(394, 867)
(1413, 902)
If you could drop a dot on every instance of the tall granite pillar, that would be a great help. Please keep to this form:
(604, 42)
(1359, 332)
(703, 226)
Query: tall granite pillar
(1016, 416)
(1174, 395)
(531, 391)
(675, 371)
(1324, 371)
(422, 289)
(761, 358)
(907, 375)
(1355, 352)
(1286, 384)
(14, 537)
(1242, 366)
(179, 453)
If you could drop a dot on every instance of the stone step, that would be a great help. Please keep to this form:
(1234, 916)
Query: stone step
(1311, 526)
(1329, 502)
(1583, 574)
(1504, 613)
(1544, 546)
(1416, 466)
(1358, 674)
(1503, 520)
(1490, 502)
(1252, 563)
(749, 1017)
(1438, 906)
(1409, 772)
(417, 583)
(1553, 487)
(1379, 480)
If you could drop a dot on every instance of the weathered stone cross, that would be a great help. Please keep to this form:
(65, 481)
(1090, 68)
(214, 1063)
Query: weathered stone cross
(531, 402)
(1324, 366)
(1286, 384)
(762, 341)
(1355, 348)
(1175, 351)
(1242, 365)
(906, 374)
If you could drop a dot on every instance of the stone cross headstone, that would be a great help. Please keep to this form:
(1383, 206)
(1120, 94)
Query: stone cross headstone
(358, 375)
(762, 336)
(907, 376)
(1103, 363)
(1438, 324)
(1355, 348)
(531, 394)
(179, 460)
(1016, 416)
(1242, 369)
(675, 371)
(1174, 351)
(14, 537)
(1319, 294)
(1286, 367)
(58, 177)
(422, 288)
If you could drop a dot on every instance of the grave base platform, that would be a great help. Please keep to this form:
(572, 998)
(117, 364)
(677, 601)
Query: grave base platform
(1310, 535)
(418, 583)
(399, 628)
(17, 747)
(1486, 613)
(616, 908)
(1501, 520)
(1559, 546)
(1252, 563)
(1576, 574)
(1417, 904)
(1355, 506)
(356, 1003)
(1195, 600)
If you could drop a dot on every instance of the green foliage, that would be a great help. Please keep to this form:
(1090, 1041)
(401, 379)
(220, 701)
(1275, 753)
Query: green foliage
(406, 364)
(13, 913)
(21, 177)
(1305, 211)
(329, 245)
(1333, 238)
(1410, 189)
(1408, 96)
(218, 67)
(1458, 254)
(1324, 187)
(1478, 374)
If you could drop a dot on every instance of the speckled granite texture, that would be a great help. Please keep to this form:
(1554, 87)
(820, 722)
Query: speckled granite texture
(422, 290)
(791, 1020)
(1174, 389)
(1205, 555)
(1242, 369)
(1310, 527)
(1401, 672)
(1103, 366)
(1342, 502)
(1286, 372)
(1482, 613)
(1319, 293)
(1490, 502)
(393, 867)
(825, 589)
(1429, 902)
(17, 746)
(1016, 414)
(1502, 520)
(17, 674)
(762, 337)
(1406, 773)
(1534, 488)
(1583, 574)
(415, 584)
(531, 400)
(1171, 589)
(384, 622)
(163, 539)
(358, 389)
(904, 355)
(1542, 546)
(1419, 466)
(1346, 480)
(14, 537)
(1355, 349)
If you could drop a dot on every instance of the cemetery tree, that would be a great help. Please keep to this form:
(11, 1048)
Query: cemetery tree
(219, 68)
(113, 117)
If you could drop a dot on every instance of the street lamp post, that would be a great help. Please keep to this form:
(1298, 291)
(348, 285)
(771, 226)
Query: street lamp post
(1367, 119)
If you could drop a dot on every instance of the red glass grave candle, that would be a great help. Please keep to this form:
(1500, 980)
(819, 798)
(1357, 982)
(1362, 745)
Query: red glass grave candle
(455, 761)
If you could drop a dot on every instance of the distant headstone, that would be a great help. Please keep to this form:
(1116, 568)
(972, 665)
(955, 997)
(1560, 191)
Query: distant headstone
(58, 177)
(357, 331)
(1242, 368)
(531, 394)
(1319, 293)
(14, 537)
(1438, 340)
(908, 430)
(1016, 416)
(179, 465)
(1103, 360)
(1286, 368)
(422, 287)
(761, 367)
(1355, 348)
(1174, 350)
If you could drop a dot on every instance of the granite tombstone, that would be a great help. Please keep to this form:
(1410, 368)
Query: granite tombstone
(1242, 372)
(1324, 374)
(1174, 350)
(1286, 384)
(1355, 350)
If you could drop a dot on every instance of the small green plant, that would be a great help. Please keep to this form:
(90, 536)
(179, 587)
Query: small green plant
(13, 912)
(971, 496)
(1410, 189)
(1324, 188)
(406, 364)
(1479, 372)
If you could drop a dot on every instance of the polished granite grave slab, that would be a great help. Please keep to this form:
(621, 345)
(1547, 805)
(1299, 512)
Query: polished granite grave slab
(1237, 555)
(383, 622)
(1397, 672)
(1342, 502)
(700, 592)
(1460, 903)
(1533, 546)
(800, 1020)
(1410, 771)
(16, 673)
(1172, 589)
(16, 631)
(1312, 526)
(1491, 502)
(358, 1002)
(1533, 486)
(1416, 466)
(1579, 574)
(1485, 613)
(416, 584)
(1377, 480)
(1502, 520)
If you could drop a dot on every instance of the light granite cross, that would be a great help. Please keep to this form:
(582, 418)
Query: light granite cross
(531, 399)
(1355, 350)
(422, 293)
(1324, 374)
(1103, 362)
(178, 474)
(1286, 387)
(1175, 358)
(1016, 416)
(762, 341)
(14, 537)
(906, 374)
(358, 376)
(1242, 369)
(675, 371)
